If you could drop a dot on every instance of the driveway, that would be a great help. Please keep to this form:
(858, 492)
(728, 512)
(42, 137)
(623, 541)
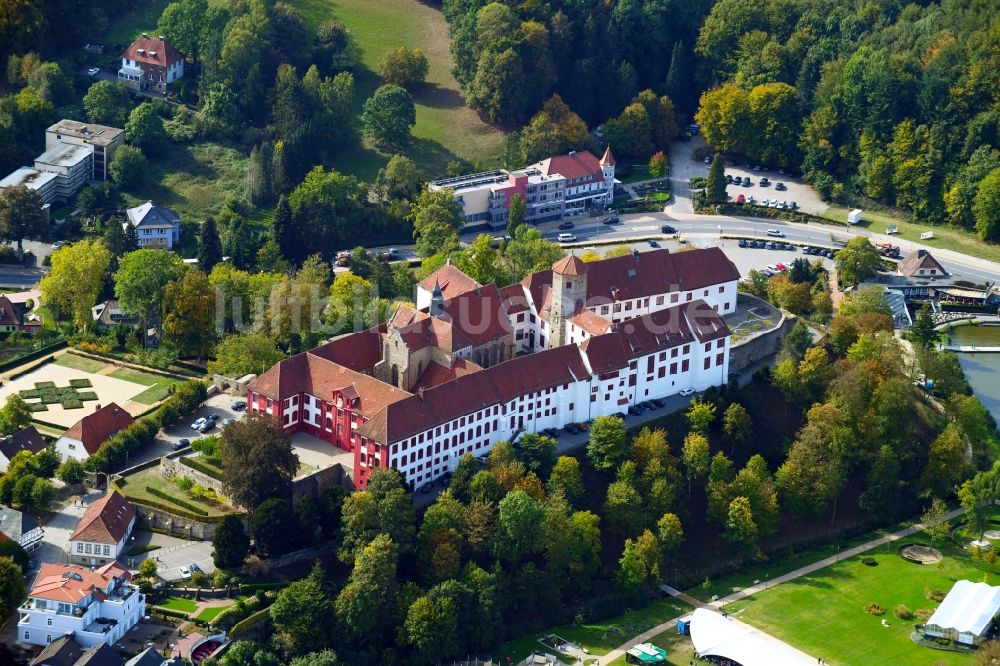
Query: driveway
(217, 404)
(55, 540)
(171, 558)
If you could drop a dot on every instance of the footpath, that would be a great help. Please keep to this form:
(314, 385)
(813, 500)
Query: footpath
(754, 589)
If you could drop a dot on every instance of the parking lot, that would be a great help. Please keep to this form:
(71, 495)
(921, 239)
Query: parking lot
(173, 554)
(684, 166)
(220, 405)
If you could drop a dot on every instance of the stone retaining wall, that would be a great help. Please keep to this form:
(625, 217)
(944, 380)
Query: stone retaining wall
(758, 346)
(171, 466)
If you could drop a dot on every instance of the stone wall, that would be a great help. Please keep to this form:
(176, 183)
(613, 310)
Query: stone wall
(753, 349)
(171, 466)
(316, 482)
(178, 526)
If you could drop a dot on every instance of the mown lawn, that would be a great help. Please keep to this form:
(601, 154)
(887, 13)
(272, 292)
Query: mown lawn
(209, 614)
(602, 637)
(159, 386)
(679, 649)
(446, 128)
(946, 237)
(133, 20)
(823, 614)
(179, 604)
(79, 363)
(194, 180)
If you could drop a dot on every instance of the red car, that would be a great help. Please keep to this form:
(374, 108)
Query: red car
(741, 199)
(781, 267)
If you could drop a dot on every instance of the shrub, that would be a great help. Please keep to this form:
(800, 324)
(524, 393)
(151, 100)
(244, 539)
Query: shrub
(183, 482)
(80, 383)
(874, 609)
(196, 464)
(140, 549)
(934, 595)
(923, 614)
(903, 612)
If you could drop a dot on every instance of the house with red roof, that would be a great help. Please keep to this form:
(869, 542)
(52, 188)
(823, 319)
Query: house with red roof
(95, 606)
(86, 436)
(103, 531)
(481, 364)
(151, 63)
(551, 188)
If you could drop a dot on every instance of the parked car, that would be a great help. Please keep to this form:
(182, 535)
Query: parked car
(708, 160)
(634, 411)
(769, 245)
(659, 402)
(792, 205)
(780, 187)
(773, 204)
(227, 421)
(238, 405)
(426, 488)
(571, 428)
(772, 268)
(93, 71)
(743, 242)
(199, 423)
(764, 202)
(566, 238)
(611, 220)
(647, 404)
(740, 198)
(212, 417)
(781, 267)
(667, 229)
(686, 392)
(180, 444)
(766, 272)
(206, 426)
(729, 179)
(445, 479)
(828, 254)
(57, 245)
(653, 243)
(195, 568)
(764, 182)
(746, 181)
(185, 573)
(760, 244)
(566, 225)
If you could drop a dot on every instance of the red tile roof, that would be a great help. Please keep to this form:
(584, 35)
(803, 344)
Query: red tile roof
(105, 520)
(470, 393)
(358, 351)
(514, 299)
(453, 281)
(569, 265)
(70, 583)
(435, 373)
(580, 164)
(95, 429)
(10, 314)
(594, 324)
(643, 274)
(165, 53)
(914, 261)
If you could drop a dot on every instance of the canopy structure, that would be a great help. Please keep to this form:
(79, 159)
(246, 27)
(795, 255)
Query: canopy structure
(968, 611)
(718, 636)
(646, 653)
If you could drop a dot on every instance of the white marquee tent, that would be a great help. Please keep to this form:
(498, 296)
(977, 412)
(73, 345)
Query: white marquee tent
(715, 635)
(966, 613)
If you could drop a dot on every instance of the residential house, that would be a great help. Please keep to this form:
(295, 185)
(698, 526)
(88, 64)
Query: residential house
(97, 606)
(103, 530)
(155, 226)
(921, 264)
(568, 344)
(86, 436)
(15, 319)
(151, 64)
(27, 439)
(109, 314)
(20, 527)
(65, 651)
(552, 188)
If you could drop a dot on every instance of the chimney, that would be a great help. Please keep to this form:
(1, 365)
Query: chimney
(97, 407)
(145, 34)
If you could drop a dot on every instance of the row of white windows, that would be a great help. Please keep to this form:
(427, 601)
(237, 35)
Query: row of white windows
(84, 549)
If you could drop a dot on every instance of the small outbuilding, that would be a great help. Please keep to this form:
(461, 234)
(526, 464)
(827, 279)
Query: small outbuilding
(966, 614)
(646, 653)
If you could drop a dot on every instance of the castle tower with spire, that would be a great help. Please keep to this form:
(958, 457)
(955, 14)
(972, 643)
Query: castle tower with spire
(608, 169)
(569, 294)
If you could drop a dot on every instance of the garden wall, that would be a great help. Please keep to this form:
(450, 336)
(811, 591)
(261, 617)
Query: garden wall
(315, 483)
(756, 347)
(171, 466)
(185, 528)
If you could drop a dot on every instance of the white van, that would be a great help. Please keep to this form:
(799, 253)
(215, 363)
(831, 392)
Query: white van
(775, 232)
(566, 238)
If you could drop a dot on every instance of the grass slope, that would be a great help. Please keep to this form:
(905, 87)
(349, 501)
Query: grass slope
(159, 386)
(446, 128)
(179, 604)
(134, 487)
(79, 363)
(949, 238)
(194, 180)
(823, 614)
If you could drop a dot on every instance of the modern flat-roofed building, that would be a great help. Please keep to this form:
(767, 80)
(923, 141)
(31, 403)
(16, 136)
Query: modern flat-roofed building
(72, 164)
(101, 139)
(42, 182)
(552, 188)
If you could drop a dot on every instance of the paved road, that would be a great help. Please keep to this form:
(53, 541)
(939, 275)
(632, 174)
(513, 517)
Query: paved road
(784, 578)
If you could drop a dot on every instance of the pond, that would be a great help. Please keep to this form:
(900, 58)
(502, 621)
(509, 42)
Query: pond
(982, 369)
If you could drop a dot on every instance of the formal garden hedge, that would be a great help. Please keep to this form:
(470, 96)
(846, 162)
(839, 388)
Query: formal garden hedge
(242, 610)
(196, 464)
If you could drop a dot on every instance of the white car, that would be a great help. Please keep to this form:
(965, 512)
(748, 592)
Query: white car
(781, 205)
(185, 573)
(93, 71)
(686, 392)
(772, 268)
(566, 238)
(197, 425)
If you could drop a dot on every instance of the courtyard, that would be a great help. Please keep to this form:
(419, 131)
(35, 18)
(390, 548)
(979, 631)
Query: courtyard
(64, 390)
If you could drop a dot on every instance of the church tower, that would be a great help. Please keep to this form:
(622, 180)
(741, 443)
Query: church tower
(608, 170)
(569, 295)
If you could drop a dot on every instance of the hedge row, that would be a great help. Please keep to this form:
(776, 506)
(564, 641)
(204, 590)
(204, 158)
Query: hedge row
(250, 588)
(186, 398)
(170, 612)
(240, 611)
(245, 625)
(31, 356)
(176, 500)
(198, 465)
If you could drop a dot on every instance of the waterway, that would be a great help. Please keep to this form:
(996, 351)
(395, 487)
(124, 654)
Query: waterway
(982, 370)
